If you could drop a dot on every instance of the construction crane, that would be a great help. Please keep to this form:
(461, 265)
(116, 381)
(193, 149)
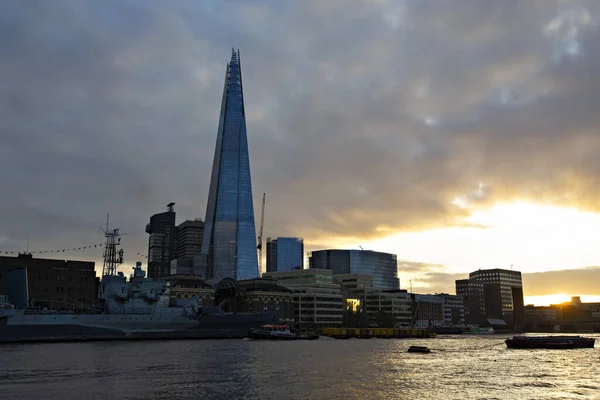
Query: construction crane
(260, 235)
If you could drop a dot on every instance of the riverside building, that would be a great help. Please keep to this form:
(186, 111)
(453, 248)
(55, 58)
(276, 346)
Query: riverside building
(496, 292)
(383, 267)
(50, 283)
(318, 300)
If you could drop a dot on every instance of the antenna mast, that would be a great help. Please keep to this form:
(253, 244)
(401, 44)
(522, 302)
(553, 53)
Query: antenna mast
(260, 235)
(112, 257)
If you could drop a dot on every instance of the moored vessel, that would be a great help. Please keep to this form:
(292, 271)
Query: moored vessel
(278, 332)
(477, 330)
(138, 308)
(549, 342)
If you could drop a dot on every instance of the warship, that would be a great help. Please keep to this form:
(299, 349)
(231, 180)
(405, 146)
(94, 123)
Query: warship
(138, 308)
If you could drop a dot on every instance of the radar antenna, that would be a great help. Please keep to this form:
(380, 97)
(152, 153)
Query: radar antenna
(112, 257)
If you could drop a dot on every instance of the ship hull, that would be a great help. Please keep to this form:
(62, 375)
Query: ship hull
(98, 327)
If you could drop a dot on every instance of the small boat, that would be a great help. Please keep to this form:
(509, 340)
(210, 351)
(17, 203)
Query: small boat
(477, 330)
(278, 332)
(419, 349)
(550, 342)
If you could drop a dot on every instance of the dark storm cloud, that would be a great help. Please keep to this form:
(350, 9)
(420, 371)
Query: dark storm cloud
(362, 119)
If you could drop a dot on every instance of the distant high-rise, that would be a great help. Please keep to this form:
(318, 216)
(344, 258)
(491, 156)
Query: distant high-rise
(161, 243)
(493, 295)
(383, 267)
(229, 241)
(189, 239)
(285, 254)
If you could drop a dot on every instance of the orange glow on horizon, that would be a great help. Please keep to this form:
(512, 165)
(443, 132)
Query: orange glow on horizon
(532, 237)
(552, 299)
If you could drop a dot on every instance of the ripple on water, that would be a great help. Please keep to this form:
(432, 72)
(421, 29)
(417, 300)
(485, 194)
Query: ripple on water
(471, 368)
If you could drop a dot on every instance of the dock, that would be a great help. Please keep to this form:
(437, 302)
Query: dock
(382, 333)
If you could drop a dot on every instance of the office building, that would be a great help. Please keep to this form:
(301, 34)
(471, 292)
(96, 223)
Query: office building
(354, 282)
(437, 310)
(383, 267)
(50, 283)
(285, 254)
(161, 243)
(395, 305)
(188, 245)
(318, 300)
(473, 299)
(496, 292)
(189, 239)
(229, 241)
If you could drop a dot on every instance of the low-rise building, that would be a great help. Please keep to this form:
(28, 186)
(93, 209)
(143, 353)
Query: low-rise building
(318, 300)
(374, 307)
(573, 316)
(354, 282)
(262, 295)
(188, 286)
(388, 309)
(54, 283)
(437, 310)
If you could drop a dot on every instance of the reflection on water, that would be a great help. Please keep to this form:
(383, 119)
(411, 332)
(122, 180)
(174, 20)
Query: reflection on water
(462, 367)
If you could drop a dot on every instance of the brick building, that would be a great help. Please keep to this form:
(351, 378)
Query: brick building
(52, 282)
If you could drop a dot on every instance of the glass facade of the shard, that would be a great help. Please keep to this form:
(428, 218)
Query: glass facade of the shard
(229, 241)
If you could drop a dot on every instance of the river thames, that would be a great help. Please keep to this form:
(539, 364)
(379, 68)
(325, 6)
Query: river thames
(461, 367)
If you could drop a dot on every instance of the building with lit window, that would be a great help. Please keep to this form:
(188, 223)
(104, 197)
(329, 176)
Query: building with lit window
(285, 254)
(383, 267)
(229, 241)
(318, 300)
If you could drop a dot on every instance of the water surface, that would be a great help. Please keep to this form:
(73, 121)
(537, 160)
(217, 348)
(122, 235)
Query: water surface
(462, 367)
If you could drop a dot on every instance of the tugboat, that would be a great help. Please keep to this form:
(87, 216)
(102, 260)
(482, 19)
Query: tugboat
(278, 332)
(550, 342)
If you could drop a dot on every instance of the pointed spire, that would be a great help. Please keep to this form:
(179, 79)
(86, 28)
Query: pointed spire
(235, 56)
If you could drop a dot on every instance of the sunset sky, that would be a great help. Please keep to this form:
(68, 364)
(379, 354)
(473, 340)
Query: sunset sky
(456, 134)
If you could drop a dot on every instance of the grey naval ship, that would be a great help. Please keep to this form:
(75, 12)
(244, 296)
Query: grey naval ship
(134, 309)
(138, 308)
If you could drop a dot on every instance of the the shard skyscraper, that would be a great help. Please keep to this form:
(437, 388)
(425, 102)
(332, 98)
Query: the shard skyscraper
(229, 242)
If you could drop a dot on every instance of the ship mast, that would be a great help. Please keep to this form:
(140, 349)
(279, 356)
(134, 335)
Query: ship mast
(112, 257)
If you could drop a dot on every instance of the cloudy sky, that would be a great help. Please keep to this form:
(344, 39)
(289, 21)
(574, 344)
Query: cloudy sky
(457, 134)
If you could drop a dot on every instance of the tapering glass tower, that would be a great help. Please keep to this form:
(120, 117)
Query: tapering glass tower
(229, 241)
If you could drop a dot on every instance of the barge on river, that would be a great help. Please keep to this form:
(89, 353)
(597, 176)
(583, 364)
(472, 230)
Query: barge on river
(550, 342)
